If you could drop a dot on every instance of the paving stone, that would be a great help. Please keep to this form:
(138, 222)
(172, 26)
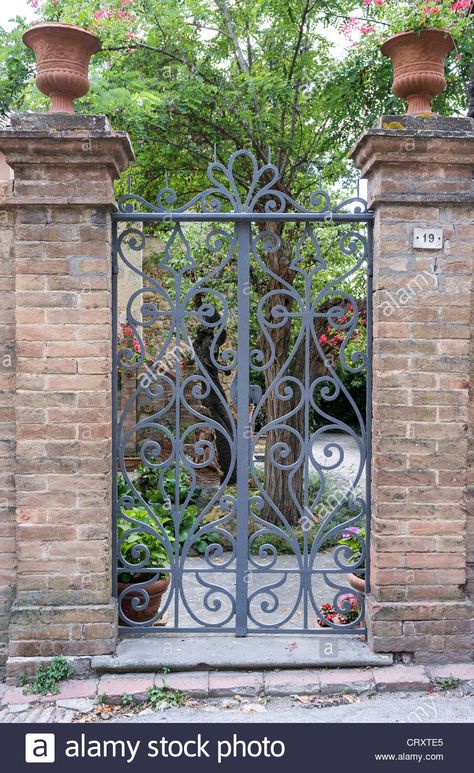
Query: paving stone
(116, 685)
(401, 678)
(77, 704)
(462, 671)
(191, 683)
(63, 715)
(305, 682)
(235, 683)
(14, 695)
(468, 688)
(77, 688)
(346, 681)
(17, 707)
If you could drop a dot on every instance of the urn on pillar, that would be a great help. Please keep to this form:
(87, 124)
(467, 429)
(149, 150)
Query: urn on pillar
(418, 66)
(63, 53)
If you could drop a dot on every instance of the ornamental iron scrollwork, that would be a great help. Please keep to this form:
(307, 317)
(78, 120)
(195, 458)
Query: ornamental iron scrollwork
(242, 477)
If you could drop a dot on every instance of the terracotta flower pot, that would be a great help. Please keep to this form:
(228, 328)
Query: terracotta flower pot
(155, 592)
(418, 66)
(358, 583)
(63, 53)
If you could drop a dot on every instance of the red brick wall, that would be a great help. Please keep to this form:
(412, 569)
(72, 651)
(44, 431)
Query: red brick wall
(7, 419)
(421, 176)
(60, 209)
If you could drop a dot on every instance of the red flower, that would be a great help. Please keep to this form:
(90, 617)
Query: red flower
(323, 339)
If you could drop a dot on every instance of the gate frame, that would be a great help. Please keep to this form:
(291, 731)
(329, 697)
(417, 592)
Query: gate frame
(241, 217)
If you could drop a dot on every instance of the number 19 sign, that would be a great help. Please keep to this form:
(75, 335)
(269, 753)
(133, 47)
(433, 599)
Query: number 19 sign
(428, 238)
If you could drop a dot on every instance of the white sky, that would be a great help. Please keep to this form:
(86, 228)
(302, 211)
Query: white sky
(11, 8)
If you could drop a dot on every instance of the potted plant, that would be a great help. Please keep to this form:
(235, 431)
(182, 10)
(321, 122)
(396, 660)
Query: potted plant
(354, 537)
(67, 35)
(422, 34)
(332, 615)
(130, 542)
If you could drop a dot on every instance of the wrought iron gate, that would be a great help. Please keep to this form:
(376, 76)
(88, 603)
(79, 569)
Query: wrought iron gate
(240, 489)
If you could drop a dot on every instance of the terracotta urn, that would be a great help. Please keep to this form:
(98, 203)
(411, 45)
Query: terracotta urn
(155, 592)
(63, 53)
(418, 66)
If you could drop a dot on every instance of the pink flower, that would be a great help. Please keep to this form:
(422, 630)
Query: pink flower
(131, 36)
(323, 339)
(35, 4)
(461, 5)
(379, 2)
(350, 531)
(366, 28)
(458, 57)
(350, 25)
(430, 10)
(367, 2)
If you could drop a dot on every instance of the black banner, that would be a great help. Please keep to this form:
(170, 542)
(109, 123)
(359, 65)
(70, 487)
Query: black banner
(224, 747)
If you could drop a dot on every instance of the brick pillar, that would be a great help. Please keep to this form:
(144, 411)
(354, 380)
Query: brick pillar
(7, 411)
(419, 174)
(63, 194)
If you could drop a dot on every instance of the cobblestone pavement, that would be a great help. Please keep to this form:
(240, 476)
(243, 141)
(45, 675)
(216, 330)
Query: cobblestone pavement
(412, 708)
(226, 696)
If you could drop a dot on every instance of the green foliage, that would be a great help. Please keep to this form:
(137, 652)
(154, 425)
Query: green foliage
(162, 492)
(101, 699)
(163, 488)
(22, 679)
(447, 682)
(354, 539)
(126, 699)
(46, 680)
(16, 67)
(389, 17)
(159, 697)
(252, 74)
(110, 20)
(141, 530)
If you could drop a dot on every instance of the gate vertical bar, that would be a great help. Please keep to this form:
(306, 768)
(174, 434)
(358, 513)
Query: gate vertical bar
(243, 429)
(114, 403)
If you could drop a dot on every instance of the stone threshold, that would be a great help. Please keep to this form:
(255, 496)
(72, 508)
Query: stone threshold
(228, 653)
(110, 688)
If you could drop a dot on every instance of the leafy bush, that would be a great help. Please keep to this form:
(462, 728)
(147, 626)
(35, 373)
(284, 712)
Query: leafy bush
(132, 540)
(46, 680)
(349, 538)
(148, 484)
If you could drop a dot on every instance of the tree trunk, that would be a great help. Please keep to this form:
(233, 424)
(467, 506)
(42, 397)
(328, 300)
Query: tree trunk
(285, 444)
(470, 109)
(218, 408)
(284, 487)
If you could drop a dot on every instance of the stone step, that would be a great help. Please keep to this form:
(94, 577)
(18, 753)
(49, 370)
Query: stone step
(140, 653)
